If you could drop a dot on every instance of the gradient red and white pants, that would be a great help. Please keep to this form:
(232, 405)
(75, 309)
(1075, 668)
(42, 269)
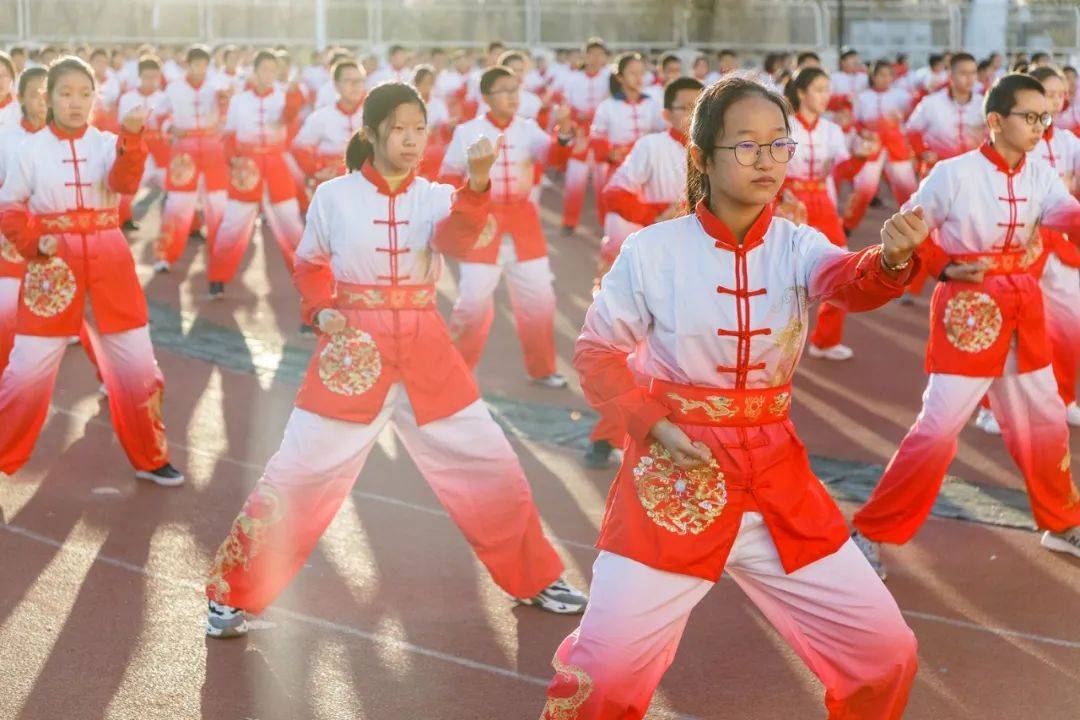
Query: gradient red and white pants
(177, 216)
(835, 614)
(237, 225)
(126, 364)
(9, 310)
(532, 298)
(1032, 419)
(901, 177)
(574, 183)
(1061, 296)
(465, 458)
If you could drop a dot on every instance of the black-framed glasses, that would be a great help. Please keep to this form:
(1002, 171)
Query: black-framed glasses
(1033, 117)
(747, 152)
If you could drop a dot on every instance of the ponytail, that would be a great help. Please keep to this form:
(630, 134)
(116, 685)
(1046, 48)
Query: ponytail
(801, 81)
(697, 183)
(379, 105)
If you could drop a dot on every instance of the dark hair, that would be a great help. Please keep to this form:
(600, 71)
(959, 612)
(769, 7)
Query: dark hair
(149, 62)
(341, 66)
(676, 86)
(493, 73)
(1039, 57)
(936, 58)
(17, 50)
(198, 52)
(880, 65)
(1046, 71)
(98, 51)
(962, 57)
(708, 124)
(1020, 66)
(1069, 69)
(726, 53)
(984, 65)
(807, 55)
(901, 57)
(848, 53)
(6, 61)
(801, 80)
(383, 100)
(28, 75)
(496, 45)
(65, 66)
(595, 42)
(420, 72)
(1002, 96)
(621, 61)
(395, 49)
(669, 57)
(261, 57)
(510, 56)
(772, 62)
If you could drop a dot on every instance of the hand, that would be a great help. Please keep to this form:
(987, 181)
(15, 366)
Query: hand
(684, 451)
(563, 117)
(616, 154)
(929, 157)
(965, 272)
(901, 234)
(133, 122)
(330, 321)
(481, 155)
(48, 245)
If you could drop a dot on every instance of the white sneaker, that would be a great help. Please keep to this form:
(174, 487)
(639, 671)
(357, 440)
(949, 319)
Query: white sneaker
(73, 340)
(1072, 414)
(986, 422)
(872, 551)
(161, 266)
(836, 352)
(1064, 542)
(223, 621)
(554, 380)
(103, 391)
(559, 597)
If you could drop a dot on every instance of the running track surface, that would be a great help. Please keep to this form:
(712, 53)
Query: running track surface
(101, 611)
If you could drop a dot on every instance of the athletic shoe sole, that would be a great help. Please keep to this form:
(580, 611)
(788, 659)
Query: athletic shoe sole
(157, 480)
(1056, 544)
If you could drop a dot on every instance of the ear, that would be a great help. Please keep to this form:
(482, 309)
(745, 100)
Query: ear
(995, 121)
(698, 159)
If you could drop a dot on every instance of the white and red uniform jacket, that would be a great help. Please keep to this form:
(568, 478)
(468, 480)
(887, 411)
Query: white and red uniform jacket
(821, 147)
(525, 151)
(440, 130)
(717, 327)
(450, 85)
(157, 107)
(12, 263)
(326, 96)
(846, 86)
(256, 130)
(10, 114)
(945, 127)
(106, 96)
(389, 74)
(1069, 119)
(373, 253)
(584, 92)
(319, 147)
(985, 212)
(619, 123)
(195, 123)
(883, 113)
(68, 185)
(651, 179)
(314, 77)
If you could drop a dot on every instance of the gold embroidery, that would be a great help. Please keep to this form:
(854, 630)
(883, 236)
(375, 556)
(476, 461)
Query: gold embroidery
(263, 508)
(565, 708)
(182, 169)
(680, 500)
(780, 404)
(245, 174)
(1034, 248)
(370, 298)
(716, 407)
(972, 321)
(789, 341)
(350, 363)
(1066, 461)
(49, 287)
(153, 409)
(753, 406)
(9, 253)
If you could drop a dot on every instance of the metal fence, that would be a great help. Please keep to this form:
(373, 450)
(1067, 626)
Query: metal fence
(875, 27)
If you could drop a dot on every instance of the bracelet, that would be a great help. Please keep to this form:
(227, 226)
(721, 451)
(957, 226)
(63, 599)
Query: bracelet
(893, 268)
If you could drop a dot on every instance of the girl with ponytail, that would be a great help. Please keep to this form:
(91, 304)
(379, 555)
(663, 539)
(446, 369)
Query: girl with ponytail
(366, 271)
(714, 307)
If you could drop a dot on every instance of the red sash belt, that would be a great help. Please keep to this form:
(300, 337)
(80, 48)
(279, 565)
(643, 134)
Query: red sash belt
(79, 221)
(807, 186)
(997, 263)
(721, 407)
(385, 297)
(252, 149)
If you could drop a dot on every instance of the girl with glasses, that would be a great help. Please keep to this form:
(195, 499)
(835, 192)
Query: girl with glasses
(714, 305)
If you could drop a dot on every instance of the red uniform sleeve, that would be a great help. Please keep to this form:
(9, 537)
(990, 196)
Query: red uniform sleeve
(918, 144)
(21, 229)
(317, 288)
(1066, 251)
(459, 231)
(294, 103)
(305, 158)
(934, 259)
(609, 386)
(228, 140)
(127, 169)
(629, 206)
(857, 281)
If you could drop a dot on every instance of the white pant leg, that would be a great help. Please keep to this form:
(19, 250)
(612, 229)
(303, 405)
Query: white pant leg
(474, 309)
(532, 298)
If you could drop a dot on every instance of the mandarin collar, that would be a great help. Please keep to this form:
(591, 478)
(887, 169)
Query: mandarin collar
(725, 239)
(372, 175)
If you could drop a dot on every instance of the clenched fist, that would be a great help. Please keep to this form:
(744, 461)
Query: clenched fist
(48, 245)
(133, 122)
(331, 321)
(901, 234)
(481, 155)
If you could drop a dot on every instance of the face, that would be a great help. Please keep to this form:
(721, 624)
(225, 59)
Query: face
(810, 62)
(6, 81)
(815, 98)
(401, 138)
(701, 67)
(231, 59)
(517, 67)
(1013, 129)
(850, 63)
(424, 85)
(284, 66)
(1071, 80)
(678, 116)
(633, 76)
(266, 72)
(504, 97)
(438, 60)
(751, 120)
(595, 58)
(672, 70)
(397, 60)
(462, 63)
(72, 99)
(1055, 94)
(197, 68)
(33, 100)
(882, 79)
(100, 63)
(149, 80)
(350, 85)
(963, 76)
(728, 63)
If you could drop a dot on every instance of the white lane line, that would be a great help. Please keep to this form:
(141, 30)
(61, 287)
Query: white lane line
(1002, 632)
(300, 617)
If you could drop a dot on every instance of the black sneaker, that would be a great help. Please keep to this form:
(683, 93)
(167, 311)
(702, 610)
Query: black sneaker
(130, 226)
(166, 475)
(306, 329)
(598, 456)
(217, 290)
(223, 621)
(196, 236)
(568, 230)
